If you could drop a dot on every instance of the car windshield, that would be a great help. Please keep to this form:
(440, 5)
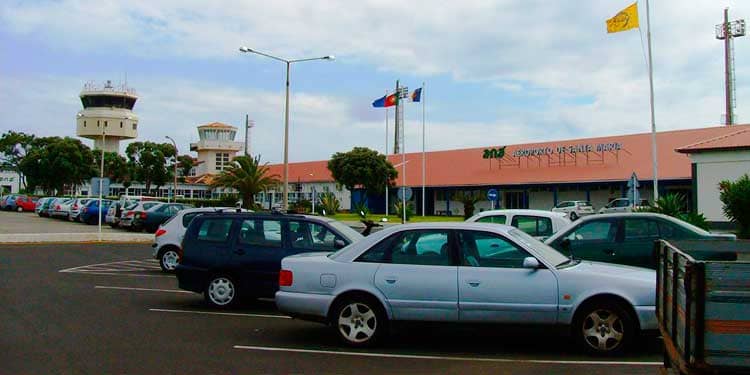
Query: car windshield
(131, 206)
(549, 254)
(689, 226)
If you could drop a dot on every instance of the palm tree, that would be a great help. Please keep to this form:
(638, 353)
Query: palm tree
(248, 177)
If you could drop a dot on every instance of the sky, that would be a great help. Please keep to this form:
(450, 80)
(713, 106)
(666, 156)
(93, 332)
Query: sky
(495, 72)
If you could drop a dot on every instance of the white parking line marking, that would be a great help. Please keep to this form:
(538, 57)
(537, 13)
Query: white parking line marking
(222, 313)
(141, 289)
(124, 266)
(448, 358)
(120, 274)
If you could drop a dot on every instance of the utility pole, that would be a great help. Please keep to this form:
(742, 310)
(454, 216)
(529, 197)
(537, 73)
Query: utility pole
(248, 124)
(727, 31)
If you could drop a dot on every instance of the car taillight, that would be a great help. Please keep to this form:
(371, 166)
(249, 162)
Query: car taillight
(57, 207)
(85, 209)
(160, 232)
(285, 278)
(75, 206)
(143, 215)
(129, 213)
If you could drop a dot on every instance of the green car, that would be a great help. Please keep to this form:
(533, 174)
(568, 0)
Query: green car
(628, 238)
(150, 219)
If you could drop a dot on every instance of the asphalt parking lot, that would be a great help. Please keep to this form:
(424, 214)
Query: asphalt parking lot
(108, 309)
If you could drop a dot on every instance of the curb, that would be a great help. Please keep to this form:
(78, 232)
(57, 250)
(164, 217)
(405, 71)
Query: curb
(52, 238)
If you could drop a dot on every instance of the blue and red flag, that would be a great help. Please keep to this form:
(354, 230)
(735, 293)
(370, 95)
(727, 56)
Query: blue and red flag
(385, 101)
(416, 95)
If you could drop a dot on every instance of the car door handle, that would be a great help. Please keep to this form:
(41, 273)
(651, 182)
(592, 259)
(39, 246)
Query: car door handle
(474, 283)
(239, 252)
(608, 251)
(391, 279)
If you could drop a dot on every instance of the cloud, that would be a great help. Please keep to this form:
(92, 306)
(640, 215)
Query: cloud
(537, 51)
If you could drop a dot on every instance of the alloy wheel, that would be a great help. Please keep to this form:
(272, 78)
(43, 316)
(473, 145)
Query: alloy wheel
(357, 322)
(603, 330)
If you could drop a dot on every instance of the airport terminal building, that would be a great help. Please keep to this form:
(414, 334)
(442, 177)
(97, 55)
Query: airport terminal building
(533, 175)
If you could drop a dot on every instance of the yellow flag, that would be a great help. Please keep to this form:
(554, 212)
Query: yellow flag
(625, 20)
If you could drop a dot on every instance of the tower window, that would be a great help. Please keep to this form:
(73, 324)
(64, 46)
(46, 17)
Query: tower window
(135, 125)
(120, 124)
(97, 123)
(105, 124)
(84, 123)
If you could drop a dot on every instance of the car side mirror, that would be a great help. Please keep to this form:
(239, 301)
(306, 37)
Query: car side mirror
(531, 262)
(339, 244)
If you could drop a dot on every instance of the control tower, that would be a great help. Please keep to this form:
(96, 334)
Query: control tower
(107, 116)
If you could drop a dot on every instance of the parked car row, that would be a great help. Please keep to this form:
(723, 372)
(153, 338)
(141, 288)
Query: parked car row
(577, 209)
(492, 270)
(17, 202)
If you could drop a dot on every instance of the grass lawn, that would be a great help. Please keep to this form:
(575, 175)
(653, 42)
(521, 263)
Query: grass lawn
(397, 219)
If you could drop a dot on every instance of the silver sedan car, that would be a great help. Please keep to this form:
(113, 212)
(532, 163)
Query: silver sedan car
(466, 272)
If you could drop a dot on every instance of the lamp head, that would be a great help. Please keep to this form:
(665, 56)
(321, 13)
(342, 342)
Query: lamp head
(329, 57)
(245, 49)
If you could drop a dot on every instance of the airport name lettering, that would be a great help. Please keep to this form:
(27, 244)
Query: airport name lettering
(569, 149)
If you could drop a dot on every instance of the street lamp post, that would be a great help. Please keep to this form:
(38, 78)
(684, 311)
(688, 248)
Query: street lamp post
(174, 187)
(285, 201)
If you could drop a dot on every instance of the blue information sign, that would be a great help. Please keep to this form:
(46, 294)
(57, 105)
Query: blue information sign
(492, 195)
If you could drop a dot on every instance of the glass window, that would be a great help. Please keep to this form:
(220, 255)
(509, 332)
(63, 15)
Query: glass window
(494, 219)
(600, 230)
(307, 235)
(215, 230)
(422, 247)
(187, 218)
(533, 225)
(671, 231)
(639, 229)
(260, 232)
(482, 249)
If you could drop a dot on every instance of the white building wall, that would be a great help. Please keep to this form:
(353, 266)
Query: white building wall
(9, 182)
(541, 200)
(712, 168)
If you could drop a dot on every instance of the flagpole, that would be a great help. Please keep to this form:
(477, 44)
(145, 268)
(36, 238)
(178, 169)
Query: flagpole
(387, 182)
(403, 155)
(422, 99)
(653, 118)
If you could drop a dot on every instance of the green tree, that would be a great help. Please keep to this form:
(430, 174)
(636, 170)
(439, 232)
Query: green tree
(469, 200)
(151, 162)
(115, 166)
(13, 147)
(53, 163)
(329, 203)
(185, 163)
(248, 176)
(675, 205)
(736, 198)
(362, 167)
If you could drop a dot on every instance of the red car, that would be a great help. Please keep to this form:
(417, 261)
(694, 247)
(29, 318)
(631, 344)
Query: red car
(24, 203)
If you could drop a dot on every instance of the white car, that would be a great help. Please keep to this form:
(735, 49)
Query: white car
(76, 207)
(168, 238)
(466, 273)
(622, 205)
(574, 209)
(538, 223)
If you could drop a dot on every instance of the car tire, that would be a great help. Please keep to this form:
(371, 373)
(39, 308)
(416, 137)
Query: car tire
(169, 257)
(221, 291)
(573, 216)
(359, 321)
(604, 328)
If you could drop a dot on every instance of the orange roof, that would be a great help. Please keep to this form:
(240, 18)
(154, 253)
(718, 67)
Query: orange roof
(217, 125)
(467, 167)
(738, 140)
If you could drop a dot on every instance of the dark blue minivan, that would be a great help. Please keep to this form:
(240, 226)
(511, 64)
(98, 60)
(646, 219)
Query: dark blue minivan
(234, 256)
